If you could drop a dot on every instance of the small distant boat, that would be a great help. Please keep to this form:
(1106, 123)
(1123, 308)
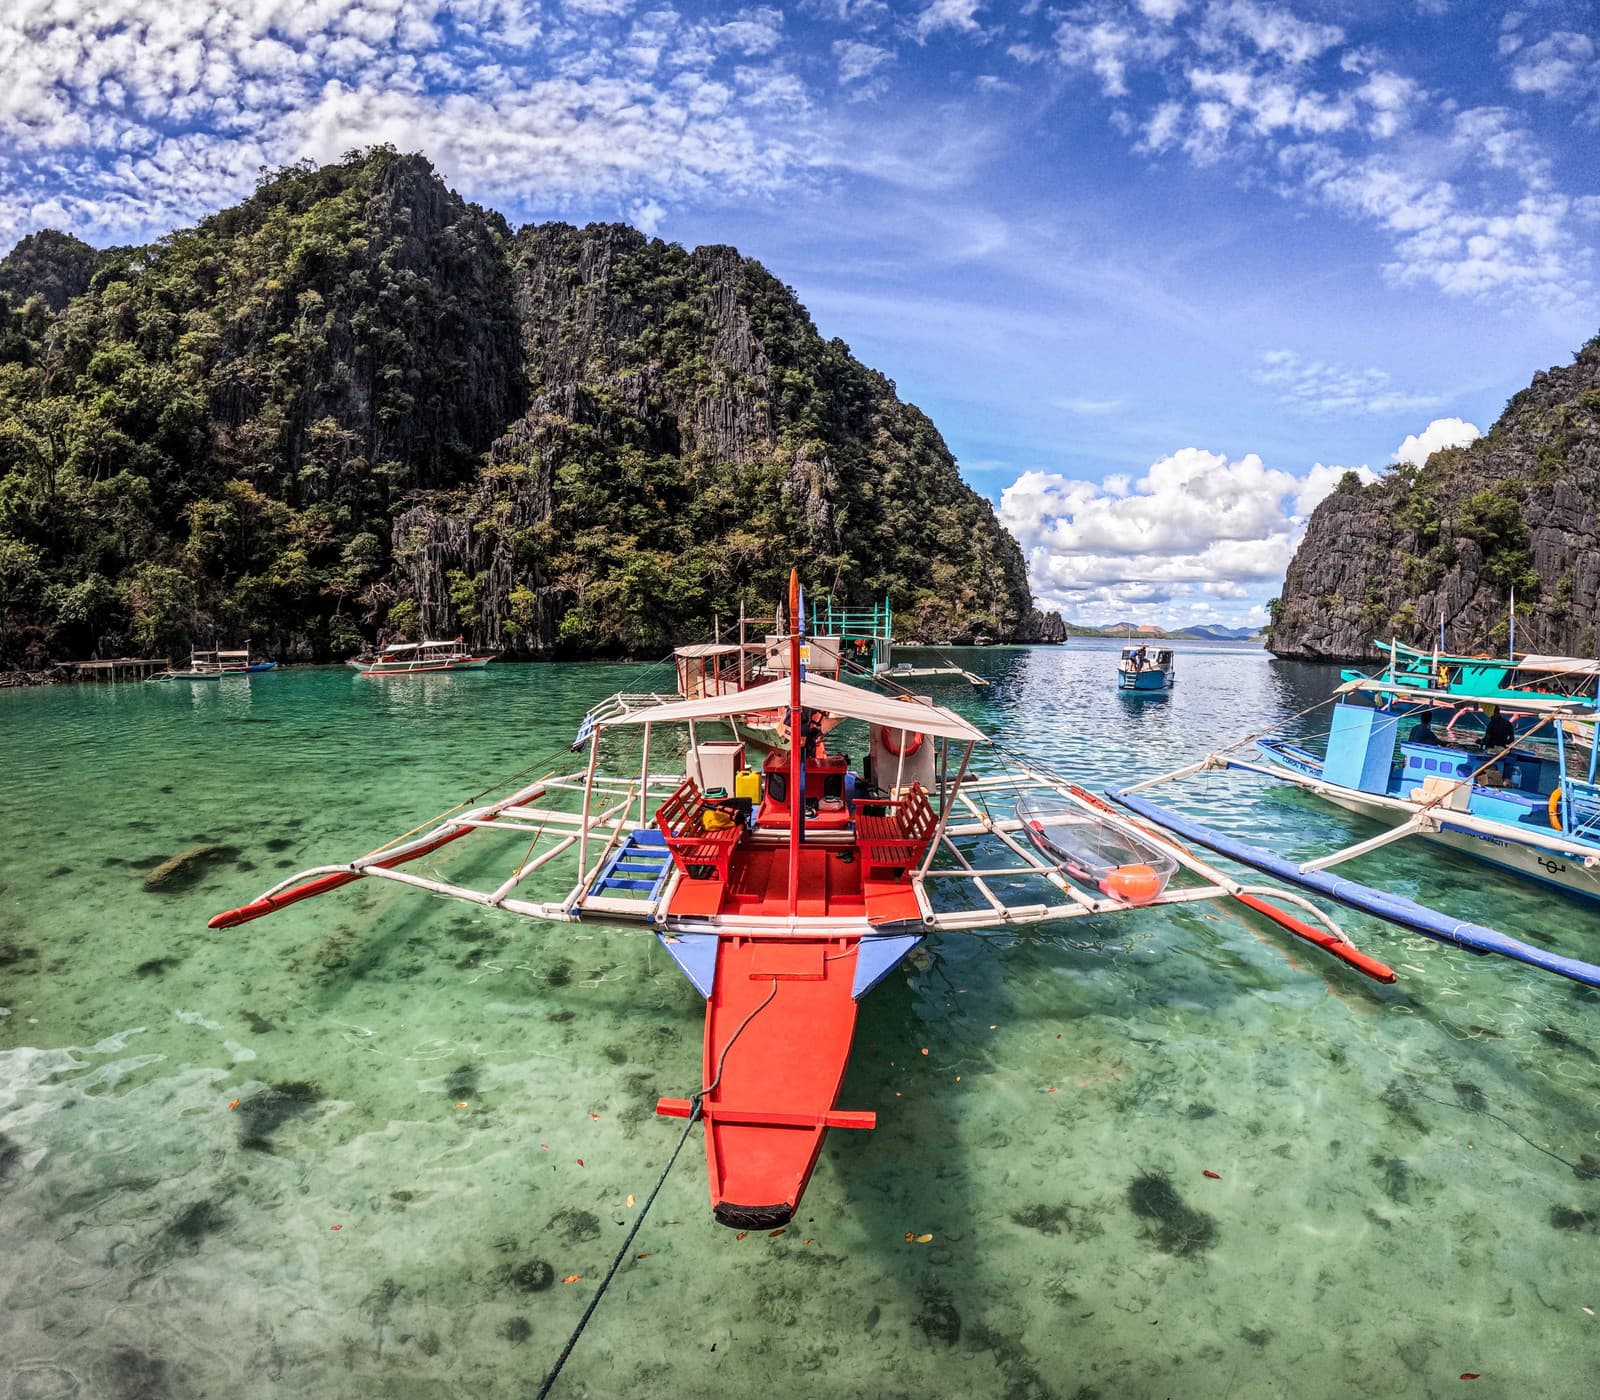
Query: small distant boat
(418, 658)
(214, 665)
(1144, 668)
(1094, 851)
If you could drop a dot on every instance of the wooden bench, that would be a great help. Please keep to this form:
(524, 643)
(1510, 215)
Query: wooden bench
(701, 853)
(892, 844)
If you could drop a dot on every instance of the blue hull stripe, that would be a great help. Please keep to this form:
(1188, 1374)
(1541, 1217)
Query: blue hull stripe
(696, 956)
(1476, 938)
(877, 957)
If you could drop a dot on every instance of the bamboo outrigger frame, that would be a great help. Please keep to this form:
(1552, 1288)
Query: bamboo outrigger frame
(609, 807)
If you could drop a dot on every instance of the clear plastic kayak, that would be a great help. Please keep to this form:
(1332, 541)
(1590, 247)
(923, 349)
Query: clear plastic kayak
(1093, 852)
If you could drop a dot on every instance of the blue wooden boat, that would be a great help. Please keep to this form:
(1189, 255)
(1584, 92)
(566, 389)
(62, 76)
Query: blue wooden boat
(1146, 669)
(1519, 793)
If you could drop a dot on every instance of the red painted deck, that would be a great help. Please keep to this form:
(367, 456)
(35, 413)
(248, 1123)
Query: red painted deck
(830, 886)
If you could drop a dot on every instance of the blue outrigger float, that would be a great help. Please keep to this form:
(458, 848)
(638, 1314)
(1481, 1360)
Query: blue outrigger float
(1520, 793)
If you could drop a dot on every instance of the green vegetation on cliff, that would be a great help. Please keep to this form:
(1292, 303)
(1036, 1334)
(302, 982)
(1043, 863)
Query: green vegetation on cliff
(355, 404)
(1518, 511)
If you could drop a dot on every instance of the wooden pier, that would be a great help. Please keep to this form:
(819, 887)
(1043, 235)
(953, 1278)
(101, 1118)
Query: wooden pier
(121, 668)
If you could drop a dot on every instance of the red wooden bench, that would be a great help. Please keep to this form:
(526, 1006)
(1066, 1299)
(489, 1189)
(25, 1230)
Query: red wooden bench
(892, 844)
(701, 853)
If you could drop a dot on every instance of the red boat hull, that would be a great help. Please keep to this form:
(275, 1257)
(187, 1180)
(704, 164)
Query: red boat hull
(778, 1028)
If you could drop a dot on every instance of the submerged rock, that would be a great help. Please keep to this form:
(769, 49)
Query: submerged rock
(181, 871)
(199, 1220)
(532, 1276)
(261, 1115)
(939, 1320)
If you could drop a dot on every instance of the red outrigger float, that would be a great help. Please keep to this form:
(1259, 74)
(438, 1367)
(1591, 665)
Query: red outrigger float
(786, 891)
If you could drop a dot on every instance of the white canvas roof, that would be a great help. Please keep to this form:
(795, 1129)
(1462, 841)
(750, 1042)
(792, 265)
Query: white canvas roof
(412, 646)
(816, 693)
(1560, 665)
(698, 649)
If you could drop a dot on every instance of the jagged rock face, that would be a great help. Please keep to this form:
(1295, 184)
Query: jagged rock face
(390, 315)
(690, 437)
(1517, 509)
(1042, 627)
(356, 405)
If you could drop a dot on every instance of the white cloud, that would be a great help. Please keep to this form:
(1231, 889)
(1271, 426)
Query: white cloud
(1271, 31)
(1564, 66)
(858, 61)
(1091, 408)
(129, 117)
(1442, 432)
(1466, 197)
(1320, 389)
(1196, 526)
(946, 14)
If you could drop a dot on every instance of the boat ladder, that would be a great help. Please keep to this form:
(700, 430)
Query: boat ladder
(640, 865)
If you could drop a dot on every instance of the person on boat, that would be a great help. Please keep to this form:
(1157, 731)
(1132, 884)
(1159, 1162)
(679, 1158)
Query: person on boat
(1422, 730)
(1139, 658)
(1499, 732)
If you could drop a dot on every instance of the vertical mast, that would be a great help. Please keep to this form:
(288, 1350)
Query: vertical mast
(797, 754)
(1511, 635)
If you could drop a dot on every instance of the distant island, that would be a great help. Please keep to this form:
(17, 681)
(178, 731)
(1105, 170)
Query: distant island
(1146, 631)
(356, 406)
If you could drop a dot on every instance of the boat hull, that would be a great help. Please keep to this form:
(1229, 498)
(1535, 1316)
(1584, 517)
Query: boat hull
(231, 671)
(471, 663)
(1146, 682)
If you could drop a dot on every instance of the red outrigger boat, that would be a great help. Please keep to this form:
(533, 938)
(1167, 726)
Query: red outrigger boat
(788, 890)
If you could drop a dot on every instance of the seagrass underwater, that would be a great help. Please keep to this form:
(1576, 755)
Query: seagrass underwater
(362, 1146)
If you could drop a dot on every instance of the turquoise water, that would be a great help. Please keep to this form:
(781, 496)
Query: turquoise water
(1401, 1192)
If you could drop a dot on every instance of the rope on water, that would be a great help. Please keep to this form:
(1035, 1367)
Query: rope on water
(650, 1200)
(622, 1253)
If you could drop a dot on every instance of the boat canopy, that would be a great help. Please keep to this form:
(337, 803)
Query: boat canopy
(708, 649)
(1559, 665)
(414, 646)
(816, 693)
(1575, 707)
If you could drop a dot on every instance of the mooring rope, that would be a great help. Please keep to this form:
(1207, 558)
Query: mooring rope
(650, 1200)
(622, 1253)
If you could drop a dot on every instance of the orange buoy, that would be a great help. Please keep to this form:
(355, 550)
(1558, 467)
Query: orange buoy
(1137, 884)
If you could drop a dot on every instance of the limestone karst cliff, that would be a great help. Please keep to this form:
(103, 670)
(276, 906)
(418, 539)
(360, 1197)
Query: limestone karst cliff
(357, 404)
(1517, 509)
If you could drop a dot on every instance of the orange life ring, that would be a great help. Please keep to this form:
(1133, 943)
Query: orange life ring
(1554, 809)
(913, 743)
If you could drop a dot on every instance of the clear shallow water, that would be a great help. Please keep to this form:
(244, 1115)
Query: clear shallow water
(1374, 1229)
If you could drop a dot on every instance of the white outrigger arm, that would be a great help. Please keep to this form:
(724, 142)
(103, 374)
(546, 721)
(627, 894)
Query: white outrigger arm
(979, 874)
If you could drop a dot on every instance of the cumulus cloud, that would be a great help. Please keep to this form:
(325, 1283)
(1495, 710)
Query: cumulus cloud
(1197, 529)
(1442, 432)
(858, 61)
(946, 14)
(1563, 66)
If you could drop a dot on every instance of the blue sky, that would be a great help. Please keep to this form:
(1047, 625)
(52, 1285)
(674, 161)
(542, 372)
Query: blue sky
(1159, 270)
